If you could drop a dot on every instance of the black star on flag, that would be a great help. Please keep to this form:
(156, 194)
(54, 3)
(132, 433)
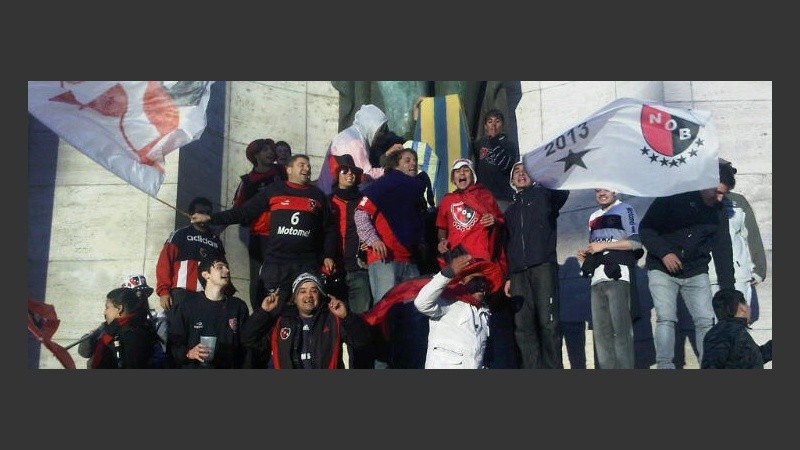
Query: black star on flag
(638, 147)
(573, 159)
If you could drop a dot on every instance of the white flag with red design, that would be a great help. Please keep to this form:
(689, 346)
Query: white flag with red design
(125, 126)
(634, 147)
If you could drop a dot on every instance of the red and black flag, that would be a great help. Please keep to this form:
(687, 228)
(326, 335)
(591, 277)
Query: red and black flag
(43, 323)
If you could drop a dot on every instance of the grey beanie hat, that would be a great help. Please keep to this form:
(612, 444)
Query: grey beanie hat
(302, 278)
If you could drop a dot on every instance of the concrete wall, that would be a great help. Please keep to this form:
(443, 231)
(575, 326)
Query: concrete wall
(102, 228)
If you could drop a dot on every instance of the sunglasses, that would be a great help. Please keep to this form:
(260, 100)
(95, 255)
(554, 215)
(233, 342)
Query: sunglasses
(346, 169)
(477, 284)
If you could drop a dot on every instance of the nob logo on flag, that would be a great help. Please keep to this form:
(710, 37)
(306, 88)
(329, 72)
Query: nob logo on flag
(667, 134)
(631, 146)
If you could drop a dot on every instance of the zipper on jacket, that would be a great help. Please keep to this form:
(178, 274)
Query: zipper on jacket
(522, 233)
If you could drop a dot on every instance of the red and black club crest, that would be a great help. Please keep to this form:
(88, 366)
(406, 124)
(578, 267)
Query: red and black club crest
(463, 216)
(666, 134)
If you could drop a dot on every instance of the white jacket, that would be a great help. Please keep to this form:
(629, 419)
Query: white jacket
(744, 232)
(458, 330)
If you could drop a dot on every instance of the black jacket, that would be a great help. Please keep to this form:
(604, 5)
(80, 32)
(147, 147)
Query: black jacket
(198, 316)
(728, 345)
(611, 260)
(136, 343)
(281, 334)
(493, 160)
(531, 222)
(343, 203)
(682, 224)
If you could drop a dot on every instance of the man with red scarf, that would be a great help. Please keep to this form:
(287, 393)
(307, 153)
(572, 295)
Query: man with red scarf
(446, 300)
(459, 328)
(470, 216)
(125, 340)
(469, 220)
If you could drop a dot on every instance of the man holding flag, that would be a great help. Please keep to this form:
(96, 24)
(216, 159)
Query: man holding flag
(532, 223)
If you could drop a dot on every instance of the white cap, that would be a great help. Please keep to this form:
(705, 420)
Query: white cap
(459, 163)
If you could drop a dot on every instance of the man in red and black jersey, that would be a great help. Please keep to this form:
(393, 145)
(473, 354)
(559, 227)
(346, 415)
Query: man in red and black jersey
(302, 236)
(262, 153)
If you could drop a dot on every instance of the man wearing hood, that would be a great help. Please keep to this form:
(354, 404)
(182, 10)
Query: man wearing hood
(309, 332)
(470, 218)
(531, 221)
(355, 140)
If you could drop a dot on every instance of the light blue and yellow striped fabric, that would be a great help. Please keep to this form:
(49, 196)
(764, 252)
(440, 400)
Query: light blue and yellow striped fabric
(443, 127)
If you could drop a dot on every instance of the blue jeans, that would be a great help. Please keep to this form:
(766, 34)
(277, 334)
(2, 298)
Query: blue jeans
(696, 292)
(385, 275)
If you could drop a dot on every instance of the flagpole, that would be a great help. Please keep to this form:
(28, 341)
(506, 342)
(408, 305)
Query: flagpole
(79, 341)
(176, 209)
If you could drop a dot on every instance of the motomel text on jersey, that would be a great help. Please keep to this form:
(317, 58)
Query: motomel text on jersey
(292, 231)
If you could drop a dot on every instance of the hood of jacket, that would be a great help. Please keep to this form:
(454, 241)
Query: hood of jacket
(368, 119)
(511, 177)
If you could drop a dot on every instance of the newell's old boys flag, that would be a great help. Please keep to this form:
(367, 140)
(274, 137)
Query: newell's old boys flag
(634, 147)
(125, 126)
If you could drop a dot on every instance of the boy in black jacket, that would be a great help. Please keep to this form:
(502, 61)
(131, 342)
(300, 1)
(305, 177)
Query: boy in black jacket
(728, 345)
